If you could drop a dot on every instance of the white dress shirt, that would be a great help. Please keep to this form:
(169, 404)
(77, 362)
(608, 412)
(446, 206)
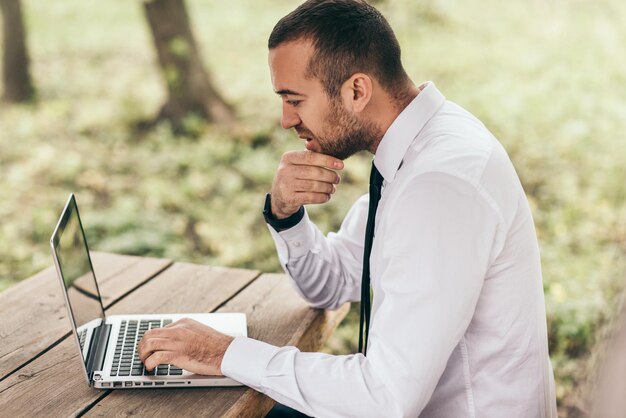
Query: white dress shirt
(458, 319)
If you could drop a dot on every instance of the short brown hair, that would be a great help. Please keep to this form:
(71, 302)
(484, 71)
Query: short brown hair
(348, 36)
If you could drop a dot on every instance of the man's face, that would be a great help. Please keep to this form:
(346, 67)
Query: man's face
(323, 123)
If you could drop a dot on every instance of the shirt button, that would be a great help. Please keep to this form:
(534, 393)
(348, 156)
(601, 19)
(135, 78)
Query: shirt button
(296, 243)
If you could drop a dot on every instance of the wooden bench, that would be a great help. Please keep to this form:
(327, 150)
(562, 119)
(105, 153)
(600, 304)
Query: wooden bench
(40, 370)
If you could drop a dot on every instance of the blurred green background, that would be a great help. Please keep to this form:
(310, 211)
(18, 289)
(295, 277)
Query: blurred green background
(548, 78)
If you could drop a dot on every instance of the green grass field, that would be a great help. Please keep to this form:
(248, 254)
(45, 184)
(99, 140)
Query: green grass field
(548, 78)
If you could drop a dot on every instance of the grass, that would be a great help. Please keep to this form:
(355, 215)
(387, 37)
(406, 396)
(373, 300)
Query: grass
(546, 77)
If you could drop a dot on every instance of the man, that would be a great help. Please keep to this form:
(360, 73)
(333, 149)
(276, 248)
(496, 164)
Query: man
(458, 325)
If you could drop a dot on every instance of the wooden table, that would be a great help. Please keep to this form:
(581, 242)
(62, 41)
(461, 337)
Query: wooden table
(40, 370)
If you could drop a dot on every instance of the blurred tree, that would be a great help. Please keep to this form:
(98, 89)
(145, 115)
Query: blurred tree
(189, 85)
(16, 75)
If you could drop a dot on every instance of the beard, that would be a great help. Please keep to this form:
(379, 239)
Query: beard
(344, 134)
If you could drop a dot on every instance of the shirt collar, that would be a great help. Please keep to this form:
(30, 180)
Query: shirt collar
(405, 129)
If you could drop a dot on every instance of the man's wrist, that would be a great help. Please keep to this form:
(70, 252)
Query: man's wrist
(278, 214)
(284, 223)
(246, 361)
(228, 340)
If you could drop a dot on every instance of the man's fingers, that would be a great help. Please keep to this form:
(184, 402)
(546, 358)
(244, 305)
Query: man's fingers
(308, 172)
(158, 332)
(312, 197)
(313, 186)
(303, 177)
(149, 345)
(313, 158)
(159, 357)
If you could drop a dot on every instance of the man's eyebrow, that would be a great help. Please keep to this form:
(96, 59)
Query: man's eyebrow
(287, 91)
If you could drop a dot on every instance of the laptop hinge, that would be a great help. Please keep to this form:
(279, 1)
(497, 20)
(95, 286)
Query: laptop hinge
(97, 349)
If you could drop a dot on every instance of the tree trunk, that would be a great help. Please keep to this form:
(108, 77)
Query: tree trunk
(189, 86)
(17, 82)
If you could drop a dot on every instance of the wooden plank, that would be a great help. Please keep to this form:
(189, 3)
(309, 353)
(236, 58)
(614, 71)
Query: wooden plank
(52, 385)
(56, 380)
(118, 275)
(33, 315)
(188, 288)
(276, 314)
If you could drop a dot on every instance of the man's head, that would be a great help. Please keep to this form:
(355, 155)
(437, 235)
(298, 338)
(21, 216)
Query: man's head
(348, 36)
(328, 58)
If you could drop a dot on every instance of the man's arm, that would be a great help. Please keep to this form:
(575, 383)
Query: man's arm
(325, 270)
(439, 243)
(439, 248)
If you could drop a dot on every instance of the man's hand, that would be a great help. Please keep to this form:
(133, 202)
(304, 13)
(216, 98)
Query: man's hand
(303, 177)
(187, 344)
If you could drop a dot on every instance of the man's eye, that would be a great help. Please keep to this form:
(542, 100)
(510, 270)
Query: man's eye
(294, 103)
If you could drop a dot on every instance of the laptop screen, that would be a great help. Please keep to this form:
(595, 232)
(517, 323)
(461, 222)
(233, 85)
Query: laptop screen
(74, 264)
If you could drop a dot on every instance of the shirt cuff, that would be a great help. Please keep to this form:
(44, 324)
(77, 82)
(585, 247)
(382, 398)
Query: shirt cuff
(246, 360)
(294, 242)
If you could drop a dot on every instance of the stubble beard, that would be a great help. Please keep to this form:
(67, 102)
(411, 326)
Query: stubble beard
(345, 134)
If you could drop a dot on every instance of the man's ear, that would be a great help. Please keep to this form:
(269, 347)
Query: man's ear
(357, 92)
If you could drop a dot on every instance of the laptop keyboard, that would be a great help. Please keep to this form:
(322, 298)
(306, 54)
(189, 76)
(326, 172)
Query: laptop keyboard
(126, 360)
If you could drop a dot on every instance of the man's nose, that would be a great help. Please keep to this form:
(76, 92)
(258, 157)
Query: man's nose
(290, 117)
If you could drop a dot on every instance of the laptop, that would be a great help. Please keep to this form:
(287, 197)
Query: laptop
(108, 343)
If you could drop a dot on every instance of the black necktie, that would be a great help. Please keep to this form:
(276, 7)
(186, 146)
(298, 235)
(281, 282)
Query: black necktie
(376, 181)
